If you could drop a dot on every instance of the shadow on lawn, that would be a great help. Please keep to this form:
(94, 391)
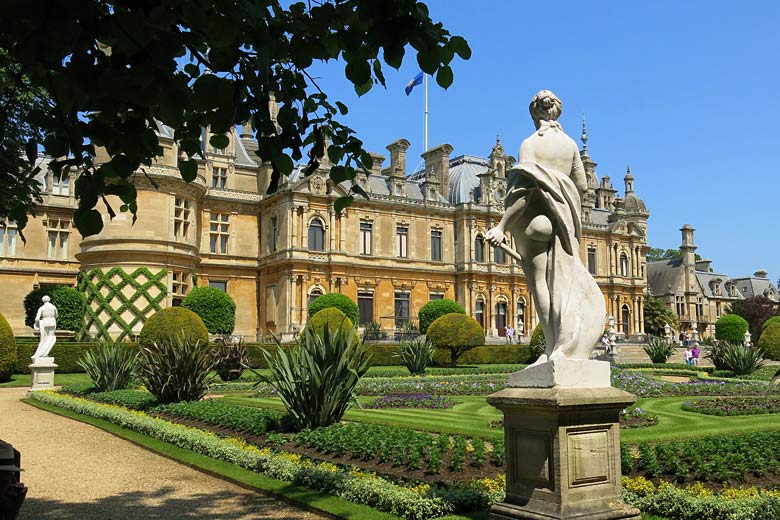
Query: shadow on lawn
(161, 503)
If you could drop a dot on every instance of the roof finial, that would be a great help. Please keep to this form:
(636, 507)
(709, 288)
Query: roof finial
(498, 139)
(584, 136)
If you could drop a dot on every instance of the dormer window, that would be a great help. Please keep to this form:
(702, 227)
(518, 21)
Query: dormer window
(732, 290)
(398, 190)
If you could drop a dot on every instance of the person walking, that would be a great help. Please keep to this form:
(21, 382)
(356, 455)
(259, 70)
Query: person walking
(688, 355)
(508, 333)
(695, 353)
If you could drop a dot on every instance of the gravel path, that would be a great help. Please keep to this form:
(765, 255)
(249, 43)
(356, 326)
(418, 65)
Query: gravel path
(77, 471)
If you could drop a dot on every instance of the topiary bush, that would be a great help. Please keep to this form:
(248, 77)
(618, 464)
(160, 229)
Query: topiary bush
(215, 307)
(770, 321)
(7, 350)
(71, 305)
(436, 309)
(457, 333)
(537, 344)
(171, 325)
(731, 328)
(769, 341)
(338, 301)
(335, 320)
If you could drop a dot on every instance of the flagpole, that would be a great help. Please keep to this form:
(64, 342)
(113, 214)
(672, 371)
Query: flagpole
(426, 113)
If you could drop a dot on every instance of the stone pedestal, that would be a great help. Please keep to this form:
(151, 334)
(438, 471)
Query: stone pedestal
(562, 452)
(42, 370)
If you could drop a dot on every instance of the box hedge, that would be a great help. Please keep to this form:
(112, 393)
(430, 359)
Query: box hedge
(65, 353)
(436, 309)
(8, 354)
(170, 325)
(215, 307)
(731, 328)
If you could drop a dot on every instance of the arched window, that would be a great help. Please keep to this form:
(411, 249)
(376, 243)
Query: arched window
(625, 319)
(316, 235)
(314, 294)
(479, 311)
(501, 318)
(499, 256)
(479, 249)
(623, 264)
(520, 317)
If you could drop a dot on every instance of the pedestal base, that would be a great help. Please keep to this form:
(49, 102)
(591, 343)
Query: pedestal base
(42, 370)
(562, 454)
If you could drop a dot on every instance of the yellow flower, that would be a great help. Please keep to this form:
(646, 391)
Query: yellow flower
(698, 489)
(639, 485)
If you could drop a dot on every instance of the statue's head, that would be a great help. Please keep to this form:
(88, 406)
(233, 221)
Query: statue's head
(545, 106)
(46, 299)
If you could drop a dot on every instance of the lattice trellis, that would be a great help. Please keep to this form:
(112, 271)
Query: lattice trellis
(106, 297)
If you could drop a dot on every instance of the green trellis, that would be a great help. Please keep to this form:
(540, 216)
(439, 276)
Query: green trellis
(115, 303)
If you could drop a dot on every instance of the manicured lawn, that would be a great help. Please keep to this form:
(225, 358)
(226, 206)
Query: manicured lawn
(22, 380)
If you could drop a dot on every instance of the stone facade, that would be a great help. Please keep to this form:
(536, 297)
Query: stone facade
(698, 294)
(419, 236)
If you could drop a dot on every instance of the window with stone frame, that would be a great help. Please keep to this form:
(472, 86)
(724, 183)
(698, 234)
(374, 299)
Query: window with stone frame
(623, 265)
(435, 296)
(8, 234)
(219, 177)
(401, 307)
(479, 249)
(680, 305)
(316, 235)
(402, 241)
(58, 232)
(479, 311)
(314, 294)
(366, 230)
(218, 284)
(60, 183)
(180, 286)
(499, 256)
(273, 232)
(219, 233)
(182, 213)
(436, 245)
(366, 307)
(592, 259)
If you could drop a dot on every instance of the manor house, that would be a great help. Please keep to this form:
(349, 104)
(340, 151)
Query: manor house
(419, 236)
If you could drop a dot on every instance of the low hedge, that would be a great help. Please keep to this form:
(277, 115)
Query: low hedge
(487, 354)
(66, 354)
(667, 366)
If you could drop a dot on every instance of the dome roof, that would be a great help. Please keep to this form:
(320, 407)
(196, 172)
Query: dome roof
(464, 171)
(634, 204)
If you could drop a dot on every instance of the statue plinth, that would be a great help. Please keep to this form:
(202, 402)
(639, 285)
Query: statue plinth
(42, 370)
(569, 373)
(562, 452)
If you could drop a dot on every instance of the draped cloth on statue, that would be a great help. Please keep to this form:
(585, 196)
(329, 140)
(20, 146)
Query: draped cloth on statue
(577, 309)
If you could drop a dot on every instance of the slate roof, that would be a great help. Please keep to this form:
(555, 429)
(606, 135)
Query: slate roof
(662, 274)
(464, 172)
(705, 280)
(599, 216)
(754, 286)
(242, 156)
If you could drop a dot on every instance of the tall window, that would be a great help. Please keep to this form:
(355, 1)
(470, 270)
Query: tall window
(181, 218)
(592, 260)
(61, 184)
(272, 238)
(366, 307)
(316, 235)
(401, 307)
(314, 294)
(402, 241)
(626, 318)
(499, 256)
(8, 238)
(217, 284)
(180, 286)
(365, 238)
(218, 177)
(436, 245)
(501, 317)
(479, 311)
(58, 230)
(680, 305)
(520, 317)
(479, 249)
(219, 233)
(623, 265)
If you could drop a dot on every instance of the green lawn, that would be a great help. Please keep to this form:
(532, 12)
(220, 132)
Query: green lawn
(22, 380)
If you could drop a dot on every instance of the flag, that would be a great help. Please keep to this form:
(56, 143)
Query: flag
(418, 79)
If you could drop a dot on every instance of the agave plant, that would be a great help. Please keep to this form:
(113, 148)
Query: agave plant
(740, 359)
(659, 350)
(416, 355)
(176, 371)
(316, 379)
(110, 366)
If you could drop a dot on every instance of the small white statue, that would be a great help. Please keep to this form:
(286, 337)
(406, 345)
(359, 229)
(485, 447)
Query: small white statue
(46, 324)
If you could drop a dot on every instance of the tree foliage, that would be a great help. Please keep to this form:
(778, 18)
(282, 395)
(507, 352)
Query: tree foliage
(71, 305)
(457, 333)
(769, 341)
(337, 301)
(731, 328)
(657, 315)
(435, 309)
(756, 310)
(8, 354)
(215, 307)
(114, 69)
(658, 254)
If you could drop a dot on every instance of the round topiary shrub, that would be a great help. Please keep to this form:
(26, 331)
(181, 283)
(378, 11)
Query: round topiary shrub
(436, 309)
(335, 320)
(215, 307)
(338, 301)
(770, 321)
(457, 333)
(537, 345)
(770, 341)
(7, 350)
(71, 305)
(731, 328)
(172, 325)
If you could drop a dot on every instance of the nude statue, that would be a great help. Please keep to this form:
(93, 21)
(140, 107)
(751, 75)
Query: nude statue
(542, 215)
(46, 324)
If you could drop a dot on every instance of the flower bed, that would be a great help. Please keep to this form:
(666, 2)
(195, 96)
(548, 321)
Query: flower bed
(734, 405)
(637, 417)
(415, 400)
(235, 417)
(643, 385)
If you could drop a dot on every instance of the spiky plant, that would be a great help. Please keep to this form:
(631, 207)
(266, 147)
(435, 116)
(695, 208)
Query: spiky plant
(316, 379)
(416, 355)
(740, 359)
(110, 366)
(659, 350)
(175, 371)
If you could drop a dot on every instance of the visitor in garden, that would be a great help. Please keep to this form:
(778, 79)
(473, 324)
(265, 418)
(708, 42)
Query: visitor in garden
(695, 353)
(605, 343)
(688, 355)
(508, 333)
(682, 339)
(12, 491)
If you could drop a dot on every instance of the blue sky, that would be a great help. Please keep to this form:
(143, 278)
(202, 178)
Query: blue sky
(685, 92)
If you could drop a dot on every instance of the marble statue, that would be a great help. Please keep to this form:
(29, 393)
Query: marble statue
(542, 215)
(46, 324)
